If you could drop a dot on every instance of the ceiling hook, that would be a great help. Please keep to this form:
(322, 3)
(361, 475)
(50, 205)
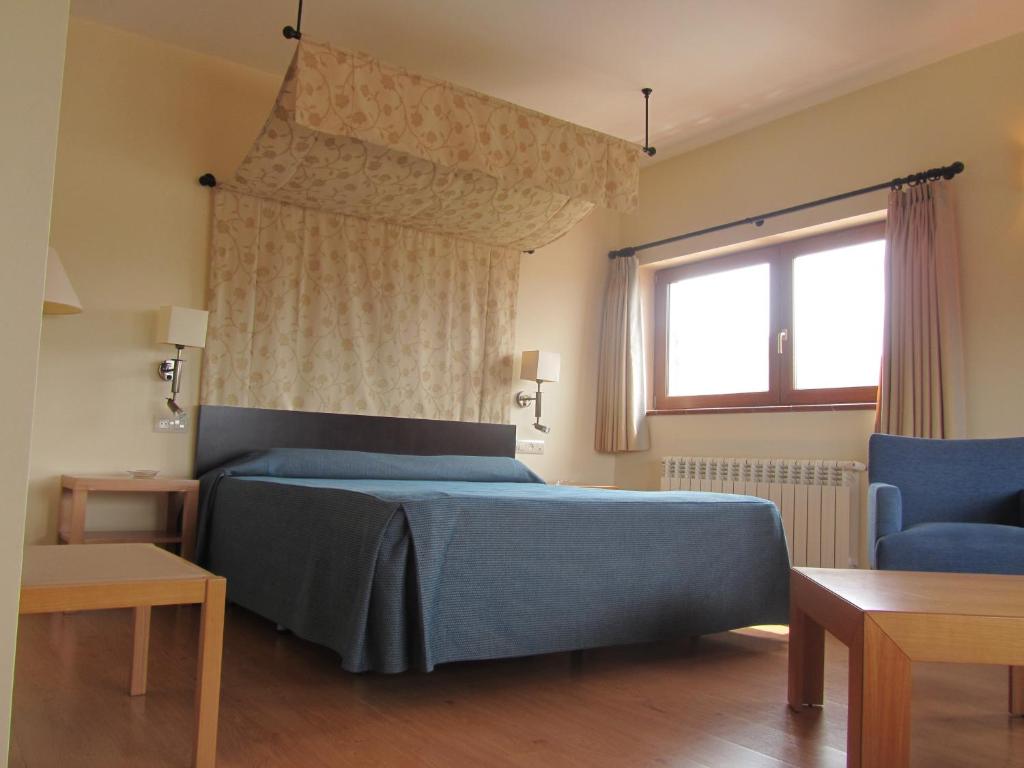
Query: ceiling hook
(648, 149)
(294, 33)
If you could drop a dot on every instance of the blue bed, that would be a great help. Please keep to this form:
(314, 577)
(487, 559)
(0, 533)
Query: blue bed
(406, 562)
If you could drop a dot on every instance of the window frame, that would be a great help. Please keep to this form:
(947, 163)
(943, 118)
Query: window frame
(781, 393)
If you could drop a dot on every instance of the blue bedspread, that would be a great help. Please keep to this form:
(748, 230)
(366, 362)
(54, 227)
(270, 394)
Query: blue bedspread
(408, 562)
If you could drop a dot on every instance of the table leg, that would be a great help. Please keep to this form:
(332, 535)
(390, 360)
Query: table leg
(211, 645)
(140, 650)
(855, 700)
(169, 504)
(76, 534)
(189, 514)
(64, 518)
(1017, 691)
(806, 659)
(885, 704)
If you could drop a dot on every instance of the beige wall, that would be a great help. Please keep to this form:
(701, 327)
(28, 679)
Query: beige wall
(561, 290)
(140, 121)
(32, 58)
(969, 108)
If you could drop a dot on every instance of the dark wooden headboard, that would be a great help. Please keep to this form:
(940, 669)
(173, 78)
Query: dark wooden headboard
(225, 432)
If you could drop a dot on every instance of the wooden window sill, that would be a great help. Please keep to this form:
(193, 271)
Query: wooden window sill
(764, 409)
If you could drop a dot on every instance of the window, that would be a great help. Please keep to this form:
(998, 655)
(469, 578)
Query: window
(788, 325)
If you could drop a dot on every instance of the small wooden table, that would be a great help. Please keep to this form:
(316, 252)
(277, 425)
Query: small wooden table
(75, 496)
(889, 619)
(137, 576)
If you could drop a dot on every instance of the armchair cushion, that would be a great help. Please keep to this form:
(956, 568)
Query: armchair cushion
(957, 547)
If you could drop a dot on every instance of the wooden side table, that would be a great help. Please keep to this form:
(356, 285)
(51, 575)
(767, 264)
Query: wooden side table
(137, 576)
(75, 495)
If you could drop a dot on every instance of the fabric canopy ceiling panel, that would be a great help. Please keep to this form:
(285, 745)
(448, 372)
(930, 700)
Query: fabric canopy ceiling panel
(353, 136)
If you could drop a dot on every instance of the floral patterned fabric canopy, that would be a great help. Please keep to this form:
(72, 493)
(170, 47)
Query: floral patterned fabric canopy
(353, 136)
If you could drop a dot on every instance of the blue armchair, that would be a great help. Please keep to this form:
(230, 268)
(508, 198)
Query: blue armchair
(946, 505)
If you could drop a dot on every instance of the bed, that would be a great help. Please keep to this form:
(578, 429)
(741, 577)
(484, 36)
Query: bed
(436, 545)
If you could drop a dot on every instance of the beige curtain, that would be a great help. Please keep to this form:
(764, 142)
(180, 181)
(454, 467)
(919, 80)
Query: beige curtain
(921, 391)
(621, 387)
(317, 311)
(353, 135)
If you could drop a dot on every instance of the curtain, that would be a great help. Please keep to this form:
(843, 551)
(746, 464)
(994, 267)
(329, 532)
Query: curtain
(317, 311)
(921, 390)
(621, 387)
(353, 135)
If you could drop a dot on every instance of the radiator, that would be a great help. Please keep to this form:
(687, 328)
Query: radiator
(819, 500)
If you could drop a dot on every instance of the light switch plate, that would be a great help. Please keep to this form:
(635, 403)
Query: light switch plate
(529, 446)
(175, 424)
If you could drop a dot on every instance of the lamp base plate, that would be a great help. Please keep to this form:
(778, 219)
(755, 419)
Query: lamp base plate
(523, 400)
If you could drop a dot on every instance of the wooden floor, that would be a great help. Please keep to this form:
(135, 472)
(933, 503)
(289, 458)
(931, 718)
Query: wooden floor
(717, 702)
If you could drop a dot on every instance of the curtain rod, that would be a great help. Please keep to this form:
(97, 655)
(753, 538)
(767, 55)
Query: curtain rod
(932, 174)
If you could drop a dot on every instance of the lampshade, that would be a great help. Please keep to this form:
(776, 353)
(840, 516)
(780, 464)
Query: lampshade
(540, 366)
(181, 326)
(59, 298)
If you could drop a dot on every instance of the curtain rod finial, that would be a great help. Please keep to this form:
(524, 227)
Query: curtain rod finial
(621, 252)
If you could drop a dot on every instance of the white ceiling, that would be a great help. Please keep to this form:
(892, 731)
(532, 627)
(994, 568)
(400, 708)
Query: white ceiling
(716, 66)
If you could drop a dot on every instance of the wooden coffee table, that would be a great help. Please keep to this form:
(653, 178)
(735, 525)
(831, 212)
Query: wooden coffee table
(138, 576)
(889, 619)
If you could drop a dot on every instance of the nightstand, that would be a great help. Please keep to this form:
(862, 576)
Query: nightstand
(74, 497)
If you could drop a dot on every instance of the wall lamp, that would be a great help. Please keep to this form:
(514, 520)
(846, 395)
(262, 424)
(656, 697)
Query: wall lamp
(182, 327)
(540, 367)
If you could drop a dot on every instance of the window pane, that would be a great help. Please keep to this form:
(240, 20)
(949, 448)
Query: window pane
(838, 299)
(718, 329)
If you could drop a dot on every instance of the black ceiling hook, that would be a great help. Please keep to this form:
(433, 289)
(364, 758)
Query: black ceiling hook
(648, 149)
(294, 33)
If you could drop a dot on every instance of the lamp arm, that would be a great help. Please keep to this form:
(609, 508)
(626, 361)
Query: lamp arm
(523, 400)
(176, 373)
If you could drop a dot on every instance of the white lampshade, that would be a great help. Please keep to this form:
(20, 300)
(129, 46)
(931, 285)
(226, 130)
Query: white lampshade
(59, 297)
(181, 326)
(540, 366)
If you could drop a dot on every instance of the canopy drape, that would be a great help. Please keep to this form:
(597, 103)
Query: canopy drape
(365, 253)
(352, 135)
(321, 312)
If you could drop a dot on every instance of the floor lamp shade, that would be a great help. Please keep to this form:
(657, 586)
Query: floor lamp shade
(59, 297)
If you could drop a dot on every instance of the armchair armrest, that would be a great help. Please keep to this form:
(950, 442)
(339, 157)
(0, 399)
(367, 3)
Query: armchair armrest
(885, 514)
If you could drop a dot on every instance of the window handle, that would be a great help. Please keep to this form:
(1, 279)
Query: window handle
(783, 337)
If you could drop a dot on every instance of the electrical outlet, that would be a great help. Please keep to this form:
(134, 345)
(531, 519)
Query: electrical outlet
(529, 446)
(177, 424)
